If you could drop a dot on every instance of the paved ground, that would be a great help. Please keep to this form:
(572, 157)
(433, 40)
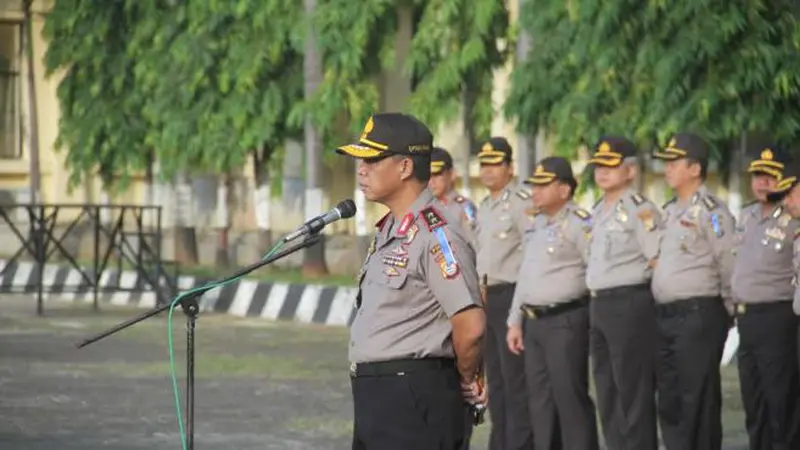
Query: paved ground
(260, 385)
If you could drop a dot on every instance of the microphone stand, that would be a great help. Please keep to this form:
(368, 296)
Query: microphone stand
(191, 309)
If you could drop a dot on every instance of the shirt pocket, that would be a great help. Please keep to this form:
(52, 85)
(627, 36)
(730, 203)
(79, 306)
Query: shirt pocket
(620, 241)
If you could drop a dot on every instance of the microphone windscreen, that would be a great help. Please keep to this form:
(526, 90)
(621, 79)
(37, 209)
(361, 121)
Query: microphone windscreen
(347, 208)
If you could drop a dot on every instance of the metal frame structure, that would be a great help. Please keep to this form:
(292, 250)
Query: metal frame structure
(128, 239)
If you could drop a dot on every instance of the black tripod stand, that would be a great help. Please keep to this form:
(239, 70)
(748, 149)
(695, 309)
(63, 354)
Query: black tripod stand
(191, 309)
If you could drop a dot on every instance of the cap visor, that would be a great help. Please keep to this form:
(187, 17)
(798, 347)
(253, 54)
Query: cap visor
(606, 162)
(359, 151)
(765, 170)
(437, 171)
(491, 160)
(540, 179)
(667, 155)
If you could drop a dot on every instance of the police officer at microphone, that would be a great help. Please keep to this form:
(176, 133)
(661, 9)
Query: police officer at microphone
(548, 322)
(623, 251)
(691, 285)
(502, 221)
(415, 346)
(441, 184)
(762, 291)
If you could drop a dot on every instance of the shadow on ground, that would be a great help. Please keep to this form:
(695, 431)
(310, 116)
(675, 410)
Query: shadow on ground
(260, 385)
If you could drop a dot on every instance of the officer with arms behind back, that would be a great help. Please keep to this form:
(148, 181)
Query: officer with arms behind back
(441, 184)
(502, 222)
(622, 252)
(690, 282)
(415, 345)
(762, 290)
(552, 300)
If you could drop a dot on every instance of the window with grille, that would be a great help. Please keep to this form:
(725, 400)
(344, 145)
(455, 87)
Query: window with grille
(10, 91)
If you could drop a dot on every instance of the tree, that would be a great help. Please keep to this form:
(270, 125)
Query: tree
(101, 128)
(199, 86)
(646, 69)
(457, 46)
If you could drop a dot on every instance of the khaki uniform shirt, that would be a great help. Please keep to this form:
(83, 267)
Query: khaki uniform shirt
(553, 269)
(762, 271)
(796, 263)
(500, 227)
(697, 244)
(419, 272)
(625, 236)
(461, 207)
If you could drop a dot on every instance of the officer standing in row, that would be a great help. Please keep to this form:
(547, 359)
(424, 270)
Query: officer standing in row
(552, 300)
(788, 192)
(415, 346)
(762, 292)
(442, 185)
(622, 253)
(501, 224)
(691, 281)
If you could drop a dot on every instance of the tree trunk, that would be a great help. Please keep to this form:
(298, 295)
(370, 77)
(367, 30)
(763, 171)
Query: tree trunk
(222, 257)
(33, 115)
(468, 99)
(262, 198)
(185, 233)
(314, 257)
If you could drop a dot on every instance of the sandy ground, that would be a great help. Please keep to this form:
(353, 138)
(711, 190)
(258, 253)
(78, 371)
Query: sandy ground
(260, 385)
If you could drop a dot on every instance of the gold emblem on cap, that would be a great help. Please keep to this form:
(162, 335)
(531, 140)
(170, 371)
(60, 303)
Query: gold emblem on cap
(539, 169)
(767, 155)
(673, 142)
(368, 128)
(487, 147)
(604, 147)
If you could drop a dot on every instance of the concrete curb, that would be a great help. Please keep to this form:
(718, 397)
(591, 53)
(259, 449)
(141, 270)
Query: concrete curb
(305, 303)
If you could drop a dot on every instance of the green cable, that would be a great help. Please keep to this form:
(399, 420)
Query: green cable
(171, 348)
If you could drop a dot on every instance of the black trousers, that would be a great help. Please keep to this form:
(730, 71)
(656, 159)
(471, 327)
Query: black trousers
(557, 370)
(768, 374)
(505, 377)
(623, 342)
(692, 337)
(421, 410)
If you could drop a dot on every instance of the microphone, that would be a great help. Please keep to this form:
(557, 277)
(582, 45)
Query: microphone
(344, 210)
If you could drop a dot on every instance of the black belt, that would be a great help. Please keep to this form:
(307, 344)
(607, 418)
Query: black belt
(399, 367)
(683, 307)
(539, 312)
(742, 309)
(620, 290)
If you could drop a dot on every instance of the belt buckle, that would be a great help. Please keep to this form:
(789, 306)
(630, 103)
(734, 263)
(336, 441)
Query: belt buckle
(741, 308)
(353, 370)
(531, 313)
(593, 293)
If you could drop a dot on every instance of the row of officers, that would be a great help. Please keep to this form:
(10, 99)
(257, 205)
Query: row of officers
(521, 289)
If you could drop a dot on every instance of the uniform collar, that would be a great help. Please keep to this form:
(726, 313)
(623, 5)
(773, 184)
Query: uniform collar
(409, 219)
(557, 217)
(701, 192)
(449, 196)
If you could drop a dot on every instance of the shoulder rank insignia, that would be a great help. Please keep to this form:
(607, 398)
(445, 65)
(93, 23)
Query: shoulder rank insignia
(638, 200)
(432, 218)
(504, 197)
(582, 213)
(523, 194)
(777, 212)
(710, 203)
(671, 201)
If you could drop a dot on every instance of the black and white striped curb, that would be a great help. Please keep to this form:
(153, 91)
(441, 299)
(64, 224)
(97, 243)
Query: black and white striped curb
(306, 303)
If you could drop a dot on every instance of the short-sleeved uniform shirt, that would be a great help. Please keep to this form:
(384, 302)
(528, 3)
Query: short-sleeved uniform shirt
(625, 237)
(697, 246)
(553, 269)
(419, 272)
(762, 270)
(500, 227)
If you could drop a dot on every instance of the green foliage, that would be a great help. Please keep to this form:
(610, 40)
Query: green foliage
(456, 47)
(356, 41)
(199, 83)
(649, 68)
